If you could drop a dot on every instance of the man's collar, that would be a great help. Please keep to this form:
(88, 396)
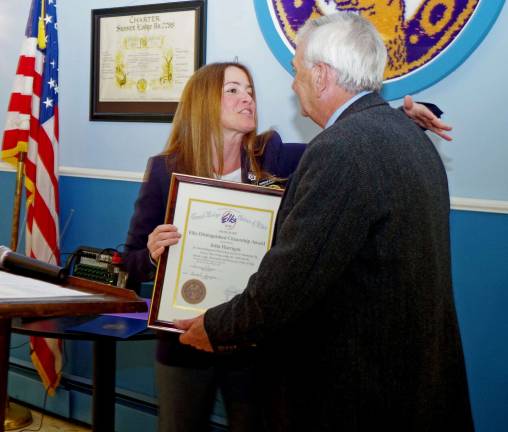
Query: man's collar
(343, 107)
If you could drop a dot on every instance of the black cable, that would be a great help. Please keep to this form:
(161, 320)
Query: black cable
(107, 251)
(19, 346)
(121, 245)
(42, 415)
(70, 260)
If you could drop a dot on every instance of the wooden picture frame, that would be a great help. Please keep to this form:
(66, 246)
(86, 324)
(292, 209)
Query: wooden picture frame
(141, 58)
(226, 229)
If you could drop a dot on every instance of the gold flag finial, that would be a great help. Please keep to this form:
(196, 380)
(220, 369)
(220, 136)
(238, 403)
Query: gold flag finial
(41, 34)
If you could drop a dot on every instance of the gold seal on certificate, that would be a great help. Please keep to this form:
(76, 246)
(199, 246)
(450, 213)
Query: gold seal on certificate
(226, 229)
(193, 291)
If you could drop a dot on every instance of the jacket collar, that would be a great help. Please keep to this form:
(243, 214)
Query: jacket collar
(366, 102)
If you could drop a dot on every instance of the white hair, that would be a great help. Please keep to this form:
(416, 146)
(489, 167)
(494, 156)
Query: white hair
(348, 43)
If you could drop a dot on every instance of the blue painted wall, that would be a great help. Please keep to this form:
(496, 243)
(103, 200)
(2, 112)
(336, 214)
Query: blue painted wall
(104, 218)
(480, 278)
(97, 211)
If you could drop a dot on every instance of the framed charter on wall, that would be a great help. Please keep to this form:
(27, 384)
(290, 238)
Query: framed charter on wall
(226, 229)
(142, 57)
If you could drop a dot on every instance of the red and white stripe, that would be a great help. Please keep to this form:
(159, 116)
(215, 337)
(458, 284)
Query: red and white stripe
(41, 165)
(17, 125)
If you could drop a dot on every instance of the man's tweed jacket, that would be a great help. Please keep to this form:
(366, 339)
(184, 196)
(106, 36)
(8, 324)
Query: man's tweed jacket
(352, 309)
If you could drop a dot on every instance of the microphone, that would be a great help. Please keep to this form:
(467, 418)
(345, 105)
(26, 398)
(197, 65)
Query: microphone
(26, 266)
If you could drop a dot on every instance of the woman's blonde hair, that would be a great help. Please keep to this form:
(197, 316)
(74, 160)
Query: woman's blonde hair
(197, 124)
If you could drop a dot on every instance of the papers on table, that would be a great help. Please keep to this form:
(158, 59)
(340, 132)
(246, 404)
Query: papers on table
(14, 287)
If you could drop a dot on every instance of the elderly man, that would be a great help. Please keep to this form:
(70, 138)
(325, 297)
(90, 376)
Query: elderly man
(352, 309)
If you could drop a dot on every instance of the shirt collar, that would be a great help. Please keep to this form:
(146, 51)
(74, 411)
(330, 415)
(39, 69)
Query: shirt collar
(344, 106)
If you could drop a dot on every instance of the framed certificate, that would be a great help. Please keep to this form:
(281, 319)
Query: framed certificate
(142, 57)
(226, 229)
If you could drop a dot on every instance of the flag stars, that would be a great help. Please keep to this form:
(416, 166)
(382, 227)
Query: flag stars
(52, 63)
(52, 83)
(48, 19)
(48, 102)
(56, 89)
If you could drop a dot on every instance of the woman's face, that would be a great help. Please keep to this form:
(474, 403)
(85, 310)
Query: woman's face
(238, 113)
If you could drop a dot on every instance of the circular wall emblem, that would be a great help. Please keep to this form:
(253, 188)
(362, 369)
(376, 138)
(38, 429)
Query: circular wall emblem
(425, 39)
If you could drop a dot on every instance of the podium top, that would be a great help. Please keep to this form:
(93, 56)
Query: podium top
(78, 297)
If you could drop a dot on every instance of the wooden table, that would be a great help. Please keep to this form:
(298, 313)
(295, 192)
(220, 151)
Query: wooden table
(106, 299)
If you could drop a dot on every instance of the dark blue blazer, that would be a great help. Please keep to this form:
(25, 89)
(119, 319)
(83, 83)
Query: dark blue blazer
(278, 159)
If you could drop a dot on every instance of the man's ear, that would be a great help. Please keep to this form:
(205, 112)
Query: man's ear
(320, 77)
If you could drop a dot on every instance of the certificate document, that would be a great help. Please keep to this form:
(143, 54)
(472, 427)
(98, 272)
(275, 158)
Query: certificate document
(146, 57)
(226, 230)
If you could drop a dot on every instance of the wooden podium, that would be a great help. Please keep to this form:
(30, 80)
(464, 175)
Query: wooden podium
(104, 299)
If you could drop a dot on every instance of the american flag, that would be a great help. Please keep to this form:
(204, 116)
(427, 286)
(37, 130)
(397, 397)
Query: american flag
(32, 128)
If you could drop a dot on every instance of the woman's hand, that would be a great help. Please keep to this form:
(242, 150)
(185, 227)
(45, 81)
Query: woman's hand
(425, 118)
(162, 236)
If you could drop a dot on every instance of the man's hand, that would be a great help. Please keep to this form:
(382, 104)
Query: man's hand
(425, 118)
(195, 333)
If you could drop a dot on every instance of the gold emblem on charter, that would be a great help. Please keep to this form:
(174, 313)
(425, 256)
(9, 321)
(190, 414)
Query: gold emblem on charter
(193, 291)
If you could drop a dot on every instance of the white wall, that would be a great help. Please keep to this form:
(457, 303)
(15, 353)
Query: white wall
(473, 96)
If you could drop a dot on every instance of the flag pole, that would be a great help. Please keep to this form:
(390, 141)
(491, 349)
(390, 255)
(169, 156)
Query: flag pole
(17, 416)
(16, 210)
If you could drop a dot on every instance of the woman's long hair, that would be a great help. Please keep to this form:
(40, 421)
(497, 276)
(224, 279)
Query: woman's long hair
(197, 124)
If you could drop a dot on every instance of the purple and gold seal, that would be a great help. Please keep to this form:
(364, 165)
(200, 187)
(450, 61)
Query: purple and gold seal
(414, 32)
(425, 39)
(193, 291)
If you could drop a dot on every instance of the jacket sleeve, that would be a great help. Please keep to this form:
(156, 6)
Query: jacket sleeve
(149, 211)
(432, 107)
(281, 159)
(330, 204)
(289, 157)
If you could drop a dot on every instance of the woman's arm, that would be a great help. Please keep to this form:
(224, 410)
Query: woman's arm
(149, 211)
(427, 117)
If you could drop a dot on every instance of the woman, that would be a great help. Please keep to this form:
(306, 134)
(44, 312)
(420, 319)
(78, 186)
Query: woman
(213, 135)
(217, 106)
